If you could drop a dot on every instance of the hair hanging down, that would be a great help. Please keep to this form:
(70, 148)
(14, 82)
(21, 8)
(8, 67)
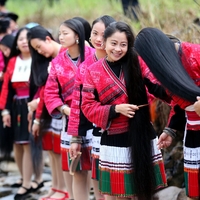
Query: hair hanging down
(87, 27)
(140, 129)
(78, 28)
(39, 63)
(159, 53)
(39, 73)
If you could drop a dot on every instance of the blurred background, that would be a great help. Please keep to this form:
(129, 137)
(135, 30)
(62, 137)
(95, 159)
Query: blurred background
(177, 17)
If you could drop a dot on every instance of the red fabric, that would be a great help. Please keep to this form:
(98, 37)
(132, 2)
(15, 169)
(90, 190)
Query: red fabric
(74, 118)
(190, 59)
(56, 143)
(193, 117)
(85, 160)
(40, 94)
(162, 171)
(40, 104)
(62, 74)
(193, 182)
(47, 141)
(117, 178)
(97, 78)
(20, 87)
(64, 158)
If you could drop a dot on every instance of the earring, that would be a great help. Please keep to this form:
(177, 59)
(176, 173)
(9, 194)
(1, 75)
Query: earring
(90, 39)
(77, 41)
(17, 47)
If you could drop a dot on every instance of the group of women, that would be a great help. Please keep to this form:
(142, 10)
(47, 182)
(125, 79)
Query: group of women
(86, 99)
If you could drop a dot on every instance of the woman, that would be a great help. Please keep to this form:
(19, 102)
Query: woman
(60, 84)
(79, 128)
(43, 49)
(130, 164)
(18, 73)
(181, 63)
(6, 136)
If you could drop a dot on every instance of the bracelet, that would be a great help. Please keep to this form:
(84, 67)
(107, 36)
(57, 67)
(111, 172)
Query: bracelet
(76, 140)
(62, 108)
(35, 121)
(5, 112)
(170, 132)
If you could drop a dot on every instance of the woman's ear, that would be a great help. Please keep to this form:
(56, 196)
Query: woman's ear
(48, 39)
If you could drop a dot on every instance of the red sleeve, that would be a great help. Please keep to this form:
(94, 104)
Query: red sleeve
(93, 109)
(6, 81)
(40, 104)
(51, 94)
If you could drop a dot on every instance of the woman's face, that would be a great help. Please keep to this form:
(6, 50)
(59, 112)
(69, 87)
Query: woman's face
(5, 50)
(67, 36)
(116, 46)
(22, 42)
(43, 47)
(97, 35)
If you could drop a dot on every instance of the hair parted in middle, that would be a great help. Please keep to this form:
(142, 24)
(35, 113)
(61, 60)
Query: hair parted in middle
(140, 128)
(76, 26)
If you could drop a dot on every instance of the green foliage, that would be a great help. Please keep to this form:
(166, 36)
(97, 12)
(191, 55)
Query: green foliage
(172, 16)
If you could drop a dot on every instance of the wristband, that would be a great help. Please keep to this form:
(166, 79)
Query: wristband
(5, 112)
(35, 121)
(76, 140)
(170, 132)
(62, 108)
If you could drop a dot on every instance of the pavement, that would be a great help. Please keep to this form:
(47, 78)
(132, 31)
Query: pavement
(9, 175)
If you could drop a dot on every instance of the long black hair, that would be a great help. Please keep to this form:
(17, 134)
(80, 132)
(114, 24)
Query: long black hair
(140, 128)
(39, 63)
(7, 41)
(78, 28)
(39, 71)
(159, 53)
(106, 19)
(86, 26)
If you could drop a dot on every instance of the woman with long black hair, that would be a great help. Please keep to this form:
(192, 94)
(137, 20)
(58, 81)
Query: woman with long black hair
(177, 67)
(18, 75)
(130, 163)
(59, 88)
(43, 49)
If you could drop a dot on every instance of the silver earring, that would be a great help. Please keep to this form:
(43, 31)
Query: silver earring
(90, 39)
(17, 47)
(77, 41)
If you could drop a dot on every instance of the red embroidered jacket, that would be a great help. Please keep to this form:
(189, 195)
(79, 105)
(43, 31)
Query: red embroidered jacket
(60, 82)
(78, 123)
(111, 91)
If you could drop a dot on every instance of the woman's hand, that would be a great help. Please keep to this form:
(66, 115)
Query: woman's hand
(164, 141)
(33, 105)
(35, 130)
(6, 120)
(74, 149)
(127, 110)
(67, 111)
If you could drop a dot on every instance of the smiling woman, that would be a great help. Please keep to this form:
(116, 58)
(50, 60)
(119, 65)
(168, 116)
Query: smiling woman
(109, 99)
